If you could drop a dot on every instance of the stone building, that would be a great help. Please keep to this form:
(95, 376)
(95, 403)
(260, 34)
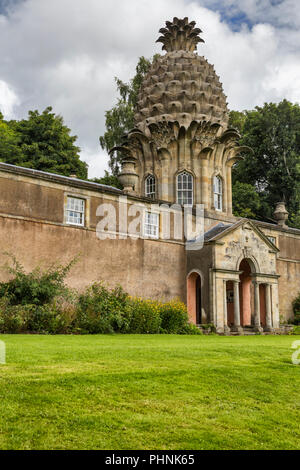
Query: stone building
(243, 275)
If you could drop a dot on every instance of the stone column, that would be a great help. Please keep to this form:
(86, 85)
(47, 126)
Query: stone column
(269, 326)
(237, 314)
(275, 306)
(226, 327)
(257, 326)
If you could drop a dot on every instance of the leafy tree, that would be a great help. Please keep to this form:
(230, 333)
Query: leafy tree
(42, 142)
(109, 180)
(9, 148)
(37, 287)
(237, 120)
(273, 132)
(120, 119)
(246, 201)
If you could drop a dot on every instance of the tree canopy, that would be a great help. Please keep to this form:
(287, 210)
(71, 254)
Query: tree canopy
(108, 180)
(41, 142)
(273, 169)
(120, 119)
(9, 143)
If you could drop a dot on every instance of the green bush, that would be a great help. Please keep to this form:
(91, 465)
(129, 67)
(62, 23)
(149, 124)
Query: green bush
(144, 316)
(11, 318)
(190, 329)
(39, 302)
(37, 287)
(296, 308)
(101, 310)
(50, 319)
(43, 319)
(174, 317)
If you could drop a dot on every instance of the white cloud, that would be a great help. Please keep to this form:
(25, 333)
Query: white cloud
(66, 53)
(8, 100)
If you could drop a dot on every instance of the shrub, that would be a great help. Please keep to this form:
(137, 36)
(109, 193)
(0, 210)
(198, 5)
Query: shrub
(190, 329)
(50, 319)
(296, 330)
(101, 310)
(37, 287)
(296, 308)
(45, 319)
(11, 318)
(39, 302)
(209, 327)
(144, 316)
(174, 317)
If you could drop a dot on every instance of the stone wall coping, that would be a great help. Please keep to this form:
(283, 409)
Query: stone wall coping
(276, 227)
(78, 183)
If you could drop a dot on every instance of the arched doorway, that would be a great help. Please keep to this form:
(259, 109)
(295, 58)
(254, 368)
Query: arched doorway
(246, 293)
(247, 296)
(194, 298)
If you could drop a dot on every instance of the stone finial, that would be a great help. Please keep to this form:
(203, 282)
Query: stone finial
(281, 214)
(128, 176)
(180, 35)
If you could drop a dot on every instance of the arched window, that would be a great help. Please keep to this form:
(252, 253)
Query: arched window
(218, 193)
(185, 189)
(150, 187)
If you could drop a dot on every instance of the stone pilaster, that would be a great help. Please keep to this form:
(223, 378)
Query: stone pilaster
(269, 325)
(237, 314)
(226, 327)
(257, 325)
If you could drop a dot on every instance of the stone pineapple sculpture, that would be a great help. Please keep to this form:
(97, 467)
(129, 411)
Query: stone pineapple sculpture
(181, 86)
(181, 123)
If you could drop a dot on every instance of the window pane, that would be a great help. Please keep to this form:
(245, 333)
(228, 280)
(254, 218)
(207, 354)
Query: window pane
(185, 188)
(151, 227)
(218, 193)
(75, 211)
(150, 186)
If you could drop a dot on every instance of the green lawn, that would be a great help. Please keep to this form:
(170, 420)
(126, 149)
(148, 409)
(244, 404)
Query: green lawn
(149, 392)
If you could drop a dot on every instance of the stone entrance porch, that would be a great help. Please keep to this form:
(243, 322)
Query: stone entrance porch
(239, 281)
(249, 300)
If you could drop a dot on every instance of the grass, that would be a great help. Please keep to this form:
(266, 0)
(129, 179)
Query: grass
(149, 392)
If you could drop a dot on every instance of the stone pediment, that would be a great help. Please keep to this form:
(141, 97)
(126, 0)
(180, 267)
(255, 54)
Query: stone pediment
(243, 240)
(222, 231)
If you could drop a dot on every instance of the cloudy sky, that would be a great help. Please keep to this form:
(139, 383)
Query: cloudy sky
(66, 53)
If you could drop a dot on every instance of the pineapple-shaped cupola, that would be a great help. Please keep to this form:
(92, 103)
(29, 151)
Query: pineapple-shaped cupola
(181, 142)
(180, 36)
(181, 86)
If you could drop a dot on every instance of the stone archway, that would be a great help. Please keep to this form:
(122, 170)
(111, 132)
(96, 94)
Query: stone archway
(194, 298)
(246, 293)
(252, 297)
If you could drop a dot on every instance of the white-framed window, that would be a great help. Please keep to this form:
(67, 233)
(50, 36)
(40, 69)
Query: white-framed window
(218, 193)
(151, 225)
(75, 211)
(185, 189)
(150, 186)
